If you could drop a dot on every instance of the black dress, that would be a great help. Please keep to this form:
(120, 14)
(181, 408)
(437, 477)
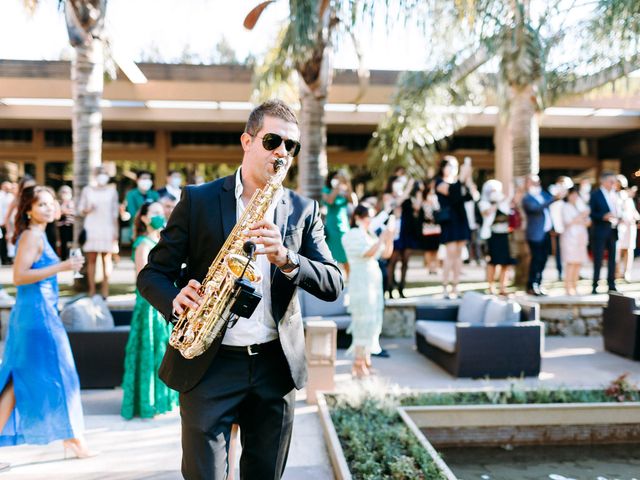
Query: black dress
(456, 228)
(498, 243)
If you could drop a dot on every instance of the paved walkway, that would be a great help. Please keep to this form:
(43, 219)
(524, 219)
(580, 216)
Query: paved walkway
(150, 449)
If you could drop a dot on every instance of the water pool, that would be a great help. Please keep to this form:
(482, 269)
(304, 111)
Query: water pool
(584, 462)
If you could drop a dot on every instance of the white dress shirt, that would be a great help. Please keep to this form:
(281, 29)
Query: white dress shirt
(612, 199)
(260, 327)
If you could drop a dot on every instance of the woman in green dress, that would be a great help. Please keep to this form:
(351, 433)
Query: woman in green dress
(144, 393)
(337, 194)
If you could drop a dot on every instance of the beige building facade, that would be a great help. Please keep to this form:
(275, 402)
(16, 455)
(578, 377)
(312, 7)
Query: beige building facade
(190, 117)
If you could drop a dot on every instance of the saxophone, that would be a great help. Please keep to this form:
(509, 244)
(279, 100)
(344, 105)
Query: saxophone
(196, 329)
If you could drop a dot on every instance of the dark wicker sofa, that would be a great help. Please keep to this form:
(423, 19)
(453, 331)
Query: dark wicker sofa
(99, 354)
(478, 349)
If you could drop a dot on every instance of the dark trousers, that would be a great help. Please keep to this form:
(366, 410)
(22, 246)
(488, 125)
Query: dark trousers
(599, 242)
(66, 237)
(257, 393)
(4, 257)
(539, 253)
(556, 246)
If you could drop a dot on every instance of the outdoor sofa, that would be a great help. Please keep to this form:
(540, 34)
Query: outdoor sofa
(482, 336)
(98, 351)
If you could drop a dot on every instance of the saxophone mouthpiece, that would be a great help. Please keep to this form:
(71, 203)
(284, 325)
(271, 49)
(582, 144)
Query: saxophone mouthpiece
(278, 163)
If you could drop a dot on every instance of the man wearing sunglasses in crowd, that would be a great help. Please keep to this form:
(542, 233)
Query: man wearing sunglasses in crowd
(249, 375)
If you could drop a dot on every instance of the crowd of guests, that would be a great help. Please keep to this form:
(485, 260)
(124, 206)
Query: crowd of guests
(449, 220)
(107, 221)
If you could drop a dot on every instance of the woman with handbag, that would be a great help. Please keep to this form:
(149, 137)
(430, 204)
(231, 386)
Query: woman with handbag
(453, 191)
(496, 208)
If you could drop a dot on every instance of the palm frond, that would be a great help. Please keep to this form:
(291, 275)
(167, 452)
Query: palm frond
(426, 109)
(617, 22)
(273, 78)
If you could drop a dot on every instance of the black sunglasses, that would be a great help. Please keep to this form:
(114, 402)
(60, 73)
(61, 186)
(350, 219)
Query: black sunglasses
(271, 141)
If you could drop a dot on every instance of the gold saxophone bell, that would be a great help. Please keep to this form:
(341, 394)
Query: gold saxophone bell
(236, 263)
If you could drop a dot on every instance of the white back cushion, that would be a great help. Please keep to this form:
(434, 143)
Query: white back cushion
(472, 308)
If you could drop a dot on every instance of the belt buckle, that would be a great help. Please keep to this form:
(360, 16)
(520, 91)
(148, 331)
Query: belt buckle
(251, 352)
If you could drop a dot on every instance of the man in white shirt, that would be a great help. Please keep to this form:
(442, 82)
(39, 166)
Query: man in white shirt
(250, 373)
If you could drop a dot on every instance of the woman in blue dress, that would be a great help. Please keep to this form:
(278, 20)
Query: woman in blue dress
(40, 400)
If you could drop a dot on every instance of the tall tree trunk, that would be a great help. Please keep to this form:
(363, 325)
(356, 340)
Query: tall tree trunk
(524, 131)
(312, 161)
(87, 77)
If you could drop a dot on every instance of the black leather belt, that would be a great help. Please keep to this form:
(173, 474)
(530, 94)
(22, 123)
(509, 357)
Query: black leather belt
(251, 350)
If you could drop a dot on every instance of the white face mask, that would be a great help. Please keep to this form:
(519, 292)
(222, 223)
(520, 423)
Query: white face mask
(535, 190)
(585, 188)
(102, 179)
(175, 182)
(335, 182)
(144, 184)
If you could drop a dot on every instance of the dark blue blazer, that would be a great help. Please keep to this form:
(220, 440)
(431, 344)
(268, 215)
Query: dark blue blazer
(196, 231)
(599, 208)
(536, 213)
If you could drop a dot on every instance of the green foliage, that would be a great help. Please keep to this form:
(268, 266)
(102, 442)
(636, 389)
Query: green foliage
(378, 445)
(616, 23)
(418, 123)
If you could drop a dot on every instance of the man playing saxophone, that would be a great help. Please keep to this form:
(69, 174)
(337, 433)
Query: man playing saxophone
(250, 372)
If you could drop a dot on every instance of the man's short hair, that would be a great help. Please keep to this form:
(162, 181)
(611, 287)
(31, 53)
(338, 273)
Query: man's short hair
(272, 108)
(606, 174)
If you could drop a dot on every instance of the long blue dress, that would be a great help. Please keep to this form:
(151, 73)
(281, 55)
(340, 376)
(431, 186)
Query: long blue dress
(38, 358)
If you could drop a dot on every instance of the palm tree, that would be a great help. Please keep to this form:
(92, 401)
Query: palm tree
(526, 82)
(85, 26)
(305, 46)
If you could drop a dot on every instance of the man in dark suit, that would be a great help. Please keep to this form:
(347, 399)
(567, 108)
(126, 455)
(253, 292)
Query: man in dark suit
(249, 375)
(605, 212)
(536, 206)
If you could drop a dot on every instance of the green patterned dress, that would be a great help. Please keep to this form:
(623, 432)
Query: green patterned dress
(144, 393)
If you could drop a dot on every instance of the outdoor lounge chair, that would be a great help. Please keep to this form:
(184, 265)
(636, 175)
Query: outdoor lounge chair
(482, 337)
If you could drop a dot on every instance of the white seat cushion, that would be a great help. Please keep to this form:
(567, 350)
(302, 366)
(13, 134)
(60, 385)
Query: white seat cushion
(472, 308)
(438, 334)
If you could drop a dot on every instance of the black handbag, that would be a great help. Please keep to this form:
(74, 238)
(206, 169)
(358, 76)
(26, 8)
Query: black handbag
(443, 215)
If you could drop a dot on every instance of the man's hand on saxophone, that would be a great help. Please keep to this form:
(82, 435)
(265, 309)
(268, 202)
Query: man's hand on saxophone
(267, 234)
(188, 297)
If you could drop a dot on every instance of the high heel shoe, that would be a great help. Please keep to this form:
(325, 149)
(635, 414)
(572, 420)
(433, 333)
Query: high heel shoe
(75, 449)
